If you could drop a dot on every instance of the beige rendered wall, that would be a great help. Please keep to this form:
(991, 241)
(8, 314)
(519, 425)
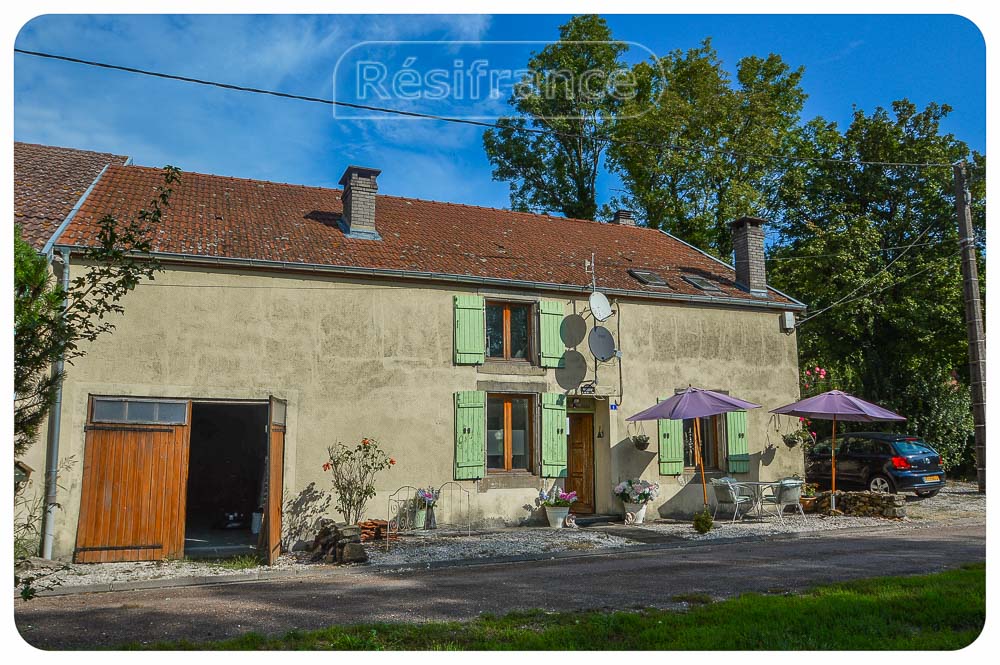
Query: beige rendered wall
(359, 358)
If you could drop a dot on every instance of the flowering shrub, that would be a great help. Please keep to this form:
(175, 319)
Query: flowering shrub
(427, 496)
(636, 491)
(354, 472)
(556, 498)
(815, 380)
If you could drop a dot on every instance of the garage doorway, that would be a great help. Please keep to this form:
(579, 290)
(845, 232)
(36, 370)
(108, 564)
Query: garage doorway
(227, 478)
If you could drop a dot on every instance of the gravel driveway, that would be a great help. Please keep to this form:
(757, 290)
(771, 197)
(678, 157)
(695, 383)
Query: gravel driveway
(957, 501)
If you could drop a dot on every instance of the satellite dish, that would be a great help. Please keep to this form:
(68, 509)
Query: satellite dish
(601, 343)
(600, 306)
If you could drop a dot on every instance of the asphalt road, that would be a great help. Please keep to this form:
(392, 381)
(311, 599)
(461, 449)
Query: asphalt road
(609, 581)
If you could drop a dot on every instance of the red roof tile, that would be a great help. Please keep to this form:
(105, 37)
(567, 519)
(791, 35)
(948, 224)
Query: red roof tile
(48, 182)
(216, 216)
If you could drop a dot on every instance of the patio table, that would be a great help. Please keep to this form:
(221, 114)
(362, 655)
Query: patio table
(755, 489)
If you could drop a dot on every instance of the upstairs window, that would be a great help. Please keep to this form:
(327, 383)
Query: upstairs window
(508, 331)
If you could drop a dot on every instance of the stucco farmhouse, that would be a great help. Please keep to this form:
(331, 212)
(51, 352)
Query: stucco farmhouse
(287, 318)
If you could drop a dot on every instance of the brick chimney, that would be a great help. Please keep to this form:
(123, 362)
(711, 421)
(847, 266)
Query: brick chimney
(624, 218)
(360, 186)
(748, 246)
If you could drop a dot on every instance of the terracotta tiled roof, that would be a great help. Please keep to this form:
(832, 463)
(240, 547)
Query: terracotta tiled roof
(48, 182)
(215, 216)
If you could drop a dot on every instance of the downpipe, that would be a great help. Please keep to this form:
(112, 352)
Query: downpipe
(52, 440)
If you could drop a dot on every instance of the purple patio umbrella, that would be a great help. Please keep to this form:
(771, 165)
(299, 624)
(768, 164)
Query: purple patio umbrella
(694, 403)
(837, 405)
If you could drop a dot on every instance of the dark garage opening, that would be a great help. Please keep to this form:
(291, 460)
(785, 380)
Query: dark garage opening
(226, 475)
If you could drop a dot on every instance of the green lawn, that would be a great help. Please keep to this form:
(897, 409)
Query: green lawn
(939, 611)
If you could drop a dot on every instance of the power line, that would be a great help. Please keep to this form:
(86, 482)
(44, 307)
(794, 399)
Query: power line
(467, 121)
(889, 286)
(803, 257)
(869, 280)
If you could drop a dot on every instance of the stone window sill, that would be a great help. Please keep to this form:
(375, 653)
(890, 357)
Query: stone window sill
(508, 480)
(511, 368)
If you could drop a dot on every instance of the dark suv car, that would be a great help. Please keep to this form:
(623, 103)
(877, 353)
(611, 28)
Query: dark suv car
(879, 462)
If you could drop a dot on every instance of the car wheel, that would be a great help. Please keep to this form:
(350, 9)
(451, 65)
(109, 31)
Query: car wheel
(926, 494)
(880, 484)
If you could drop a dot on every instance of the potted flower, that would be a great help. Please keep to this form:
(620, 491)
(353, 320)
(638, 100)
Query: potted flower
(808, 497)
(635, 494)
(557, 503)
(424, 504)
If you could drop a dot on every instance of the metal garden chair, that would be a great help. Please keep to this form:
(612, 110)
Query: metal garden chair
(785, 493)
(728, 493)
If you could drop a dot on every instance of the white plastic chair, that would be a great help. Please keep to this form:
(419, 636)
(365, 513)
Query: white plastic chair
(727, 493)
(785, 492)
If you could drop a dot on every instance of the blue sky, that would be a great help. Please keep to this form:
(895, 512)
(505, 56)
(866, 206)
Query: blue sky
(852, 60)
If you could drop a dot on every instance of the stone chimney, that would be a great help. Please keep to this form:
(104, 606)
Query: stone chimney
(748, 246)
(624, 218)
(360, 186)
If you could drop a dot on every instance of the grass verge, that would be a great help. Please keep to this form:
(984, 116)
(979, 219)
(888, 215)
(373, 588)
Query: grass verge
(938, 611)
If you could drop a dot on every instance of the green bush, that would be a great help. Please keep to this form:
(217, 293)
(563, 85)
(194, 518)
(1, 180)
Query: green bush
(939, 409)
(703, 521)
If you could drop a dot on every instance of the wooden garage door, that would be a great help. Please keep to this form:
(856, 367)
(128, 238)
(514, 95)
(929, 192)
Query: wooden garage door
(270, 534)
(132, 506)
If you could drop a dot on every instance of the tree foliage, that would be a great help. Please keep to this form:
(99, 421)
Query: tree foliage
(571, 93)
(50, 322)
(879, 246)
(732, 127)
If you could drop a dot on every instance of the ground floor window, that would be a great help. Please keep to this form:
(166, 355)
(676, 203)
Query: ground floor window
(713, 442)
(508, 432)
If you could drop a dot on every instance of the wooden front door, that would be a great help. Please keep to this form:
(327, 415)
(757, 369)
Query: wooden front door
(270, 534)
(134, 489)
(580, 461)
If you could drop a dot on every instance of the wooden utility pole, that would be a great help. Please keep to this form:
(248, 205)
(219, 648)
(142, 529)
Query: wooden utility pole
(973, 320)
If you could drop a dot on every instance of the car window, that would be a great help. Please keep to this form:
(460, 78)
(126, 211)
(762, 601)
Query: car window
(915, 447)
(861, 446)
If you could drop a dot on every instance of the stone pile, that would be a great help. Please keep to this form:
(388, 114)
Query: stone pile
(376, 530)
(338, 542)
(864, 504)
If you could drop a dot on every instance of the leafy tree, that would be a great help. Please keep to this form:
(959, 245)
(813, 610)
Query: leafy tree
(878, 246)
(50, 322)
(572, 93)
(687, 99)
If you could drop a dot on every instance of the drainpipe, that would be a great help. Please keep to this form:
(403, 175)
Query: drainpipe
(52, 441)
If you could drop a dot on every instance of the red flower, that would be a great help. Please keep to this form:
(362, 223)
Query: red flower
(364, 442)
(392, 461)
(327, 466)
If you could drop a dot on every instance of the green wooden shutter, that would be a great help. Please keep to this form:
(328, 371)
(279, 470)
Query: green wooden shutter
(470, 330)
(553, 435)
(470, 434)
(553, 351)
(736, 442)
(670, 442)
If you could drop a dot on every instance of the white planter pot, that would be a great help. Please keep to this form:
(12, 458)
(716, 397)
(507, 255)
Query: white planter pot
(556, 515)
(637, 509)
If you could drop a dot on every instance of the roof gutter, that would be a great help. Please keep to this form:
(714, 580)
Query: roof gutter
(801, 304)
(354, 271)
(50, 244)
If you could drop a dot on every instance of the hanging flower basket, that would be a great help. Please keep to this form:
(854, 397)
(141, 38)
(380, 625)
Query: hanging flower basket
(640, 441)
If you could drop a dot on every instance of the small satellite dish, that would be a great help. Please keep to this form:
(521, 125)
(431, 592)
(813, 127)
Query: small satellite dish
(601, 343)
(600, 306)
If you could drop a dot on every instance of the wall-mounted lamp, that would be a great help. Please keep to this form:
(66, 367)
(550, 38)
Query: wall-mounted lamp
(600, 432)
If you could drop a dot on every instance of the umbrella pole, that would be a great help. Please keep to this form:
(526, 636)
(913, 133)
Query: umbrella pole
(833, 467)
(701, 459)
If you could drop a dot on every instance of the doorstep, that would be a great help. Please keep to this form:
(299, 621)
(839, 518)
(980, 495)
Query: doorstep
(590, 520)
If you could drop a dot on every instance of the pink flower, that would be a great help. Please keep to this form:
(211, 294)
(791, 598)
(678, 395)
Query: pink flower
(801, 419)
(817, 368)
(807, 385)
(808, 373)
(814, 434)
